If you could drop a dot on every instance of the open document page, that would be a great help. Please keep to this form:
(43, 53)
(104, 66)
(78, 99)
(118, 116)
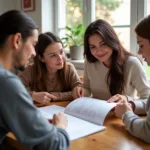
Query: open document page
(89, 109)
(77, 128)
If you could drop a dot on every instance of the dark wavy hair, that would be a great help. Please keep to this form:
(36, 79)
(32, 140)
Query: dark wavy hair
(115, 76)
(39, 68)
(143, 28)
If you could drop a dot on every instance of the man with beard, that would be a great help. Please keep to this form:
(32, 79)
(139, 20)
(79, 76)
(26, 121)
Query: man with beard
(18, 36)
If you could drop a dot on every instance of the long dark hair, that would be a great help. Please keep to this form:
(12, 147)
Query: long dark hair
(143, 28)
(13, 22)
(39, 68)
(115, 76)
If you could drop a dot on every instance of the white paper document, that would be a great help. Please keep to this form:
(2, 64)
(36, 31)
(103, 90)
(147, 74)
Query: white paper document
(85, 115)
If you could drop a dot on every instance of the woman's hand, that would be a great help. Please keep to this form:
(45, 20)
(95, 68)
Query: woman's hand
(121, 108)
(43, 97)
(77, 92)
(117, 98)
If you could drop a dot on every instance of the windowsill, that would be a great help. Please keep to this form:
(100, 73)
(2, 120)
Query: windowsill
(79, 64)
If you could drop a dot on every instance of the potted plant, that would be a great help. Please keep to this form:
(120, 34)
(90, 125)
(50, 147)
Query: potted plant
(74, 39)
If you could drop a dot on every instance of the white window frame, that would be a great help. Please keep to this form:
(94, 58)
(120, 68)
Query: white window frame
(138, 11)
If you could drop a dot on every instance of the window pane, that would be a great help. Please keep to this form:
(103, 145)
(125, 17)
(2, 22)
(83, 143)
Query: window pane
(116, 12)
(147, 70)
(74, 12)
(148, 7)
(124, 36)
(146, 66)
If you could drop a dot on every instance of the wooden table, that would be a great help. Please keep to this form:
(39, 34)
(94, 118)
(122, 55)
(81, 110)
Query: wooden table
(115, 137)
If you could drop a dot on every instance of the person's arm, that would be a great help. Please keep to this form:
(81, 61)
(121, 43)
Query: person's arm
(141, 84)
(135, 125)
(86, 81)
(63, 96)
(26, 122)
(138, 127)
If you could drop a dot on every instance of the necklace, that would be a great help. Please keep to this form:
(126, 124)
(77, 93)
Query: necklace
(53, 79)
(53, 83)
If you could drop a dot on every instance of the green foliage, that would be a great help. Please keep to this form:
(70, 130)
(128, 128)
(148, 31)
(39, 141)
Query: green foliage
(103, 10)
(110, 4)
(74, 35)
(148, 71)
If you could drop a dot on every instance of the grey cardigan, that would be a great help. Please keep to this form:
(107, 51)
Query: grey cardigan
(139, 127)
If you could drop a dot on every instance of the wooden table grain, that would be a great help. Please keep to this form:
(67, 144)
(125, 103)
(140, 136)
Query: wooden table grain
(115, 137)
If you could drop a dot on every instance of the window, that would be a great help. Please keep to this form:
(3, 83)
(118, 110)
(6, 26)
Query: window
(74, 12)
(148, 13)
(70, 12)
(122, 14)
(117, 13)
(148, 7)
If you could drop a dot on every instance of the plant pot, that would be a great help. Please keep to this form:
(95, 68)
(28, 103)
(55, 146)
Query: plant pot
(76, 52)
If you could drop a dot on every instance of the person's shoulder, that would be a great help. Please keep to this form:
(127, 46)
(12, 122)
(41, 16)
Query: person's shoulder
(9, 80)
(133, 63)
(70, 66)
(5, 74)
(132, 60)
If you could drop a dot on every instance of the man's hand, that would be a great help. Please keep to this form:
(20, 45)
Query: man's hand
(60, 120)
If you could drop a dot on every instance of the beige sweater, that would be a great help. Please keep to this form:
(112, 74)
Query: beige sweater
(72, 80)
(95, 82)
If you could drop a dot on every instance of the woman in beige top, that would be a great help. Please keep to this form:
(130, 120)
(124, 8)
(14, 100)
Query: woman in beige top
(50, 77)
(110, 72)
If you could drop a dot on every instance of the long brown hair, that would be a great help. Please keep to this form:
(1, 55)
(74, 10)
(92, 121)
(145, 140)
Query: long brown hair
(115, 76)
(39, 68)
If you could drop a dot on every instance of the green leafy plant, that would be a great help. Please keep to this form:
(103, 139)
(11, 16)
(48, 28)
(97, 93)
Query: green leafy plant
(74, 35)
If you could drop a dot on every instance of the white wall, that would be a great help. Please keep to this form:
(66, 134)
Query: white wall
(36, 14)
(43, 14)
(6, 5)
(47, 18)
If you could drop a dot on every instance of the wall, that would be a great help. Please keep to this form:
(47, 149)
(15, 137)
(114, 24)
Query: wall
(36, 14)
(6, 5)
(47, 20)
(43, 14)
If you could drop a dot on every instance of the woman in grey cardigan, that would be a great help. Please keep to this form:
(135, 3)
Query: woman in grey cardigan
(134, 124)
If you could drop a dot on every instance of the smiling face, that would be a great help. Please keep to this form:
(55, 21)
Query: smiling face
(144, 48)
(54, 56)
(99, 49)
